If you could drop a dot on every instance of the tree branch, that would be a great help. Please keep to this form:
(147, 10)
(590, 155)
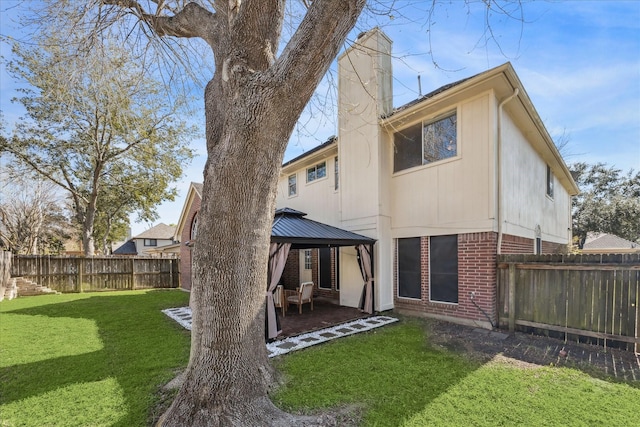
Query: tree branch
(192, 21)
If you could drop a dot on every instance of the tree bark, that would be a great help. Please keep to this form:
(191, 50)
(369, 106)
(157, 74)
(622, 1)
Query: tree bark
(251, 106)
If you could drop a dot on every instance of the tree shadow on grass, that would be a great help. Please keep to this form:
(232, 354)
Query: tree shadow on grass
(139, 349)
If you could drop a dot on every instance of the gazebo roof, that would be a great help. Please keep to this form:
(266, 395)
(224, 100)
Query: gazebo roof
(291, 226)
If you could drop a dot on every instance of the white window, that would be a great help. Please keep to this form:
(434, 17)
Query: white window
(316, 172)
(550, 182)
(293, 185)
(307, 259)
(425, 143)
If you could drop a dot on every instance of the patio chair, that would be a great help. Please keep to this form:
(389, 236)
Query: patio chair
(303, 295)
(278, 298)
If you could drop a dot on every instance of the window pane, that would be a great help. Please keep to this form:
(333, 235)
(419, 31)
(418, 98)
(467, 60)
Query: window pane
(293, 185)
(443, 256)
(311, 174)
(321, 170)
(440, 140)
(335, 174)
(407, 148)
(549, 182)
(409, 268)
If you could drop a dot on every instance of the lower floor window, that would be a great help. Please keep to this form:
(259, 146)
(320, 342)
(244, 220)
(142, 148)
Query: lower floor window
(443, 267)
(409, 268)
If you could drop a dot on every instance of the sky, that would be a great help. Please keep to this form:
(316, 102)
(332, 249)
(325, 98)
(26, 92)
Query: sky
(579, 62)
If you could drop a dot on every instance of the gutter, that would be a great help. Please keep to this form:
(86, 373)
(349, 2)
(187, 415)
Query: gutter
(499, 166)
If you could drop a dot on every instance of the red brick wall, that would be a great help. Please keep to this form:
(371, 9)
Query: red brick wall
(554, 248)
(517, 245)
(476, 273)
(185, 251)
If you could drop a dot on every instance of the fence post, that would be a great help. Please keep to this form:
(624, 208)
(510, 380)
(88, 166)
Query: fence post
(512, 297)
(80, 268)
(133, 275)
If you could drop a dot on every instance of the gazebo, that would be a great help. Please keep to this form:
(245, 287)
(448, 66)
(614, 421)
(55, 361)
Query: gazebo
(291, 230)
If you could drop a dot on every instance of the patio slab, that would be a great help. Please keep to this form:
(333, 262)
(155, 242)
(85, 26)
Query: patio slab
(182, 315)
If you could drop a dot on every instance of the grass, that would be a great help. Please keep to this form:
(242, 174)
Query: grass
(88, 359)
(101, 359)
(398, 380)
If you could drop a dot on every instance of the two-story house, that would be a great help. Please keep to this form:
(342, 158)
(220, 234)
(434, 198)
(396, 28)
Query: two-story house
(443, 183)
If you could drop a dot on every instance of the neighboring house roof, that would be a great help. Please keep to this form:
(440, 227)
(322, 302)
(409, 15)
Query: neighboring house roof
(597, 241)
(194, 192)
(128, 248)
(290, 226)
(160, 231)
(329, 142)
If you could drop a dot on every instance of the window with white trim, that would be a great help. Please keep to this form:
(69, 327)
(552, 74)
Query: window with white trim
(335, 173)
(307, 259)
(426, 142)
(550, 181)
(150, 242)
(293, 185)
(316, 172)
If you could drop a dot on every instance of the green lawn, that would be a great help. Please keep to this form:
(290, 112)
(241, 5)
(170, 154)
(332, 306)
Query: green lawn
(398, 380)
(94, 359)
(100, 360)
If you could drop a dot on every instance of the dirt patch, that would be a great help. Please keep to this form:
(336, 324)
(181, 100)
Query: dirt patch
(528, 351)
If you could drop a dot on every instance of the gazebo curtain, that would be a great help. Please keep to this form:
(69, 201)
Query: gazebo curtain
(364, 260)
(278, 253)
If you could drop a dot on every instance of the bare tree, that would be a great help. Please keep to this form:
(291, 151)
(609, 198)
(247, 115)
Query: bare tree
(32, 216)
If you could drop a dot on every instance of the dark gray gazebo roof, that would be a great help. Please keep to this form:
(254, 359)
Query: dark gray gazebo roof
(290, 226)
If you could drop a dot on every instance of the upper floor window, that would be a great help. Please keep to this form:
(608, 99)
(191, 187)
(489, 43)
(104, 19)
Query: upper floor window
(425, 143)
(316, 172)
(194, 227)
(293, 185)
(335, 173)
(150, 242)
(549, 182)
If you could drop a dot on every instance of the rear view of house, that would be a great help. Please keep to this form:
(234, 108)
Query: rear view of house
(443, 184)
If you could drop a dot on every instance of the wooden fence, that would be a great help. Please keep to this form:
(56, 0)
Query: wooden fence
(79, 274)
(594, 296)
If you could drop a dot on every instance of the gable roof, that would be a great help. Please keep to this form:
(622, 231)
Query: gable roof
(608, 241)
(194, 192)
(160, 231)
(290, 226)
(504, 82)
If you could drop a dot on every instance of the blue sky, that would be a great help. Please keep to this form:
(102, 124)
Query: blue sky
(579, 62)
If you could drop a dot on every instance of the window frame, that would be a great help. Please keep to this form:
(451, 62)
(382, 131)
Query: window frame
(417, 261)
(308, 259)
(411, 151)
(336, 174)
(432, 254)
(151, 242)
(295, 185)
(315, 168)
(550, 183)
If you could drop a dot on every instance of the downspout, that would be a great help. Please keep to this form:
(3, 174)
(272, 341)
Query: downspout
(499, 166)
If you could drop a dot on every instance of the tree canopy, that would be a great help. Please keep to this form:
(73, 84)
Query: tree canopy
(99, 126)
(609, 202)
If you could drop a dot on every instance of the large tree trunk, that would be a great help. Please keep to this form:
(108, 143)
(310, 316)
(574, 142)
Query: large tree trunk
(251, 107)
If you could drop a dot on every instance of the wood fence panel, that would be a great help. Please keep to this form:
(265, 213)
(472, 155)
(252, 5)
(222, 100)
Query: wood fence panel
(78, 274)
(592, 296)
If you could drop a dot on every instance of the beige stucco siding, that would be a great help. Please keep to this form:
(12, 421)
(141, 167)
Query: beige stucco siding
(526, 204)
(452, 195)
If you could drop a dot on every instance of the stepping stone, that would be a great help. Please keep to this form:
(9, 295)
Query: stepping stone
(286, 345)
(344, 330)
(328, 335)
(309, 339)
(358, 326)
